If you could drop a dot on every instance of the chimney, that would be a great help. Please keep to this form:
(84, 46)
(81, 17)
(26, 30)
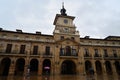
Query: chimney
(18, 30)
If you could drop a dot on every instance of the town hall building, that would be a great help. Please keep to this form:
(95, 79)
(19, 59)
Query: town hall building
(63, 53)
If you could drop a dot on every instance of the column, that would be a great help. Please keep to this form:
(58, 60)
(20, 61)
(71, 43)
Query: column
(26, 65)
(94, 67)
(52, 66)
(11, 70)
(115, 75)
(40, 68)
(81, 64)
(104, 70)
(56, 59)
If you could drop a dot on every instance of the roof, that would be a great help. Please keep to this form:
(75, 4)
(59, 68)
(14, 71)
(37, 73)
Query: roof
(111, 37)
(20, 32)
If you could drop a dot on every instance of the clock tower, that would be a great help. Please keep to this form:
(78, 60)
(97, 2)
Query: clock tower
(64, 27)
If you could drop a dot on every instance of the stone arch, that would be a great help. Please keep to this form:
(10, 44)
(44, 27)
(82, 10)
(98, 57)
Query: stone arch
(108, 67)
(34, 66)
(68, 67)
(98, 67)
(117, 66)
(46, 68)
(88, 65)
(4, 66)
(19, 67)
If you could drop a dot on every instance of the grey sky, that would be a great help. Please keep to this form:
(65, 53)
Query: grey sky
(95, 18)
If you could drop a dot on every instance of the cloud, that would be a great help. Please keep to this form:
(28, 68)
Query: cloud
(96, 18)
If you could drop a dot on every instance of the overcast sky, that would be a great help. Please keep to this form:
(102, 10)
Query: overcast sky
(94, 18)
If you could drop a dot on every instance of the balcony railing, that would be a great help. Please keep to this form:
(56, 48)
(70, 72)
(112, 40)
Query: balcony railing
(97, 56)
(111, 57)
(69, 55)
(13, 53)
(46, 55)
(87, 56)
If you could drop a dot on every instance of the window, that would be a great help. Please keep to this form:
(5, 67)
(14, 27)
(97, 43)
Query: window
(96, 53)
(74, 53)
(114, 53)
(66, 30)
(68, 50)
(8, 48)
(35, 50)
(62, 37)
(22, 49)
(47, 51)
(86, 52)
(105, 53)
(62, 52)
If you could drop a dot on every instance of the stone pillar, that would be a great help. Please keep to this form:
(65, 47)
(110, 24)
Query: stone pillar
(115, 75)
(52, 66)
(94, 67)
(40, 68)
(26, 64)
(11, 70)
(104, 70)
(56, 59)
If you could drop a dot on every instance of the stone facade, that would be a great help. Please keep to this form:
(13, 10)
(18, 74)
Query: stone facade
(64, 52)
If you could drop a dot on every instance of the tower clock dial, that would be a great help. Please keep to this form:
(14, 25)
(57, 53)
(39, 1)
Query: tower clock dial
(65, 21)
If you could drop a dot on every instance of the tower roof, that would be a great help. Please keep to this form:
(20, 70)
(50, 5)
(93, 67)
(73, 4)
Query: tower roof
(63, 10)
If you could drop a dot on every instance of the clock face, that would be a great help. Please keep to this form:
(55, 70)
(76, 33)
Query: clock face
(65, 21)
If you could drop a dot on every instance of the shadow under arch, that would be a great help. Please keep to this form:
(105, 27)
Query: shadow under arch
(98, 67)
(4, 66)
(88, 65)
(46, 68)
(34, 67)
(68, 67)
(117, 66)
(108, 67)
(19, 67)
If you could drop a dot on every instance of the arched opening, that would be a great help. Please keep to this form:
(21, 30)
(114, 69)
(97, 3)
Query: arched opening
(117, 66)
(98, 67)
(4, 66)
(108, 67)
(99, 70)
(68, 50)
(68, 67)
(19, 68)
(34, 67)
(88, 65)
(46, 67)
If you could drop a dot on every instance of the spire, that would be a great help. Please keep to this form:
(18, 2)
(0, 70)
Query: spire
(62, 5)
(63, 10)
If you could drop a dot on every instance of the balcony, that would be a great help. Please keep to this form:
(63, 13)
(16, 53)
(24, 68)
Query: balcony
(46, 55)
(111, 57)
(11, 54)
(97, 56)
(35, 54)
(87, 56)
(68, 55)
